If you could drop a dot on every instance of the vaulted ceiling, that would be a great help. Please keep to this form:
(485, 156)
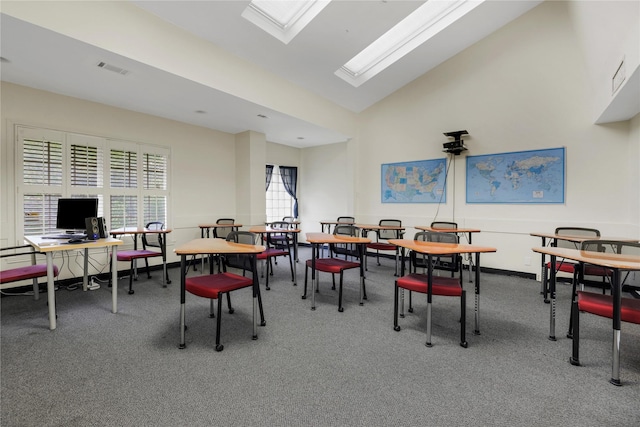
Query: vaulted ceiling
(40, 58)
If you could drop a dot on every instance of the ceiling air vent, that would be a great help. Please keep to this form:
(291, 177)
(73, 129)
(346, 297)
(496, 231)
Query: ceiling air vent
(113, 68)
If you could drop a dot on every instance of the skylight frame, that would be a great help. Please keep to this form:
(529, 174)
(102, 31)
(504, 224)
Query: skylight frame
(415, 29)
(283, 23)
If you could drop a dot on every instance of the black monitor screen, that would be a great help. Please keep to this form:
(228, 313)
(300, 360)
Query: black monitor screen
(72, 213)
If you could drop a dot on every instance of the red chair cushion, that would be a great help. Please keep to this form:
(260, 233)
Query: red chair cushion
(24, 273)
(564, 266)
(382, 246)
(333, 265)
(602, 305)
(595, 270)
(272, 252)
(135, 254)
(210, 286)
(417, 282)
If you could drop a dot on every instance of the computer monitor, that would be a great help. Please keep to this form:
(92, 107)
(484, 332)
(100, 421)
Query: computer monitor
(72, 213)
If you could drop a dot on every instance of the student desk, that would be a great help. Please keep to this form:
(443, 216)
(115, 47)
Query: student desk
(553, 240)
(615, 262)
(264, 229)
(320, 239)
(467, 232)
(138, 231)
(436, 248)
(214, 247)
(366, 228)
(48, 247)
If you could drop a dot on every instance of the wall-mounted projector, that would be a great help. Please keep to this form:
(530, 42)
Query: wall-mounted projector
(457, 145)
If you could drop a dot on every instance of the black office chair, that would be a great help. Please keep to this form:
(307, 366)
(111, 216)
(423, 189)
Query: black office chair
(335, 265)
(278, 245)
(381, 242)
(151, 240)
(443, 286)
(563, 265)
(214, 286)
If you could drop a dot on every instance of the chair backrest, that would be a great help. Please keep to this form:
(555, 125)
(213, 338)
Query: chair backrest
(223, 232)
(346, 219)
(154, 240)
(444, 225)
(349, 249)
(611, 246)
(441, 262)
(288, 219)
(279, 240)
(574, 231)
(389, 234)
(241, 261)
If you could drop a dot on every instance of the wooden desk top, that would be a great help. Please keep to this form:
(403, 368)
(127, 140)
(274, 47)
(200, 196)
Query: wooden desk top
(334, 238)
(216, 246)
(447, 230)
(604, 259)
(214, 225)
(50, 245)
(333, 222)
(437, 248)
(379, 227)
(267, 229)
(137, 230)
(579, 239)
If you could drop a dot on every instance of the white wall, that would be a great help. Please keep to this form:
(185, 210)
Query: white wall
(205, 193)
(524, 87)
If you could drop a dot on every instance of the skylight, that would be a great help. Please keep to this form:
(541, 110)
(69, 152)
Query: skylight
(283, 19)
(418, 27)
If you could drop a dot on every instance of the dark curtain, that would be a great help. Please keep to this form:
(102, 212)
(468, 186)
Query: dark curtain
(289, 175)
(268, 176)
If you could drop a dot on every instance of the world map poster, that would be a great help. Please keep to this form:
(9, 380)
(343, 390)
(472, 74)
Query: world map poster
(414, 182)
(535, 177)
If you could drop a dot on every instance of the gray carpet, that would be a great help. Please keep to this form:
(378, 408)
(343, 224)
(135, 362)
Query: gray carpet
(315, 368)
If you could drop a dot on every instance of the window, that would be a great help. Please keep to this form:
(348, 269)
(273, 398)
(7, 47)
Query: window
(56, 164)
(279, 202)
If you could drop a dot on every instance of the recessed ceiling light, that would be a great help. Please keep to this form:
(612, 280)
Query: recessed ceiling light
(283, 19)
(418, 27)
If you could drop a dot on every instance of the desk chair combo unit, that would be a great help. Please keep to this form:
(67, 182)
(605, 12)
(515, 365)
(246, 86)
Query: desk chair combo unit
(568, 237)
(387, 229)
(279, 242)
(429, 283)
(346, 252)
(239, 252)
(153, 236)
(614, 306)
(32, 272)
(221, 228)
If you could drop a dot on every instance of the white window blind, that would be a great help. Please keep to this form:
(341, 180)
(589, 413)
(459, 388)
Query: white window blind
(123, 169)
(42, 162)
(55, 164)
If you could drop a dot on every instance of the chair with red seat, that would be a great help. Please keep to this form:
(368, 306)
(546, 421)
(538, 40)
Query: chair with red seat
(563, 265)
(601, 304)
(151, 240)
(381, 243)
(335, 265)
(431, 285)
(27, 272)
(278, 245)
(214, 286)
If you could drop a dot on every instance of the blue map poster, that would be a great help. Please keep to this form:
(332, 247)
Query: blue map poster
(534, 177)
(414, 182)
